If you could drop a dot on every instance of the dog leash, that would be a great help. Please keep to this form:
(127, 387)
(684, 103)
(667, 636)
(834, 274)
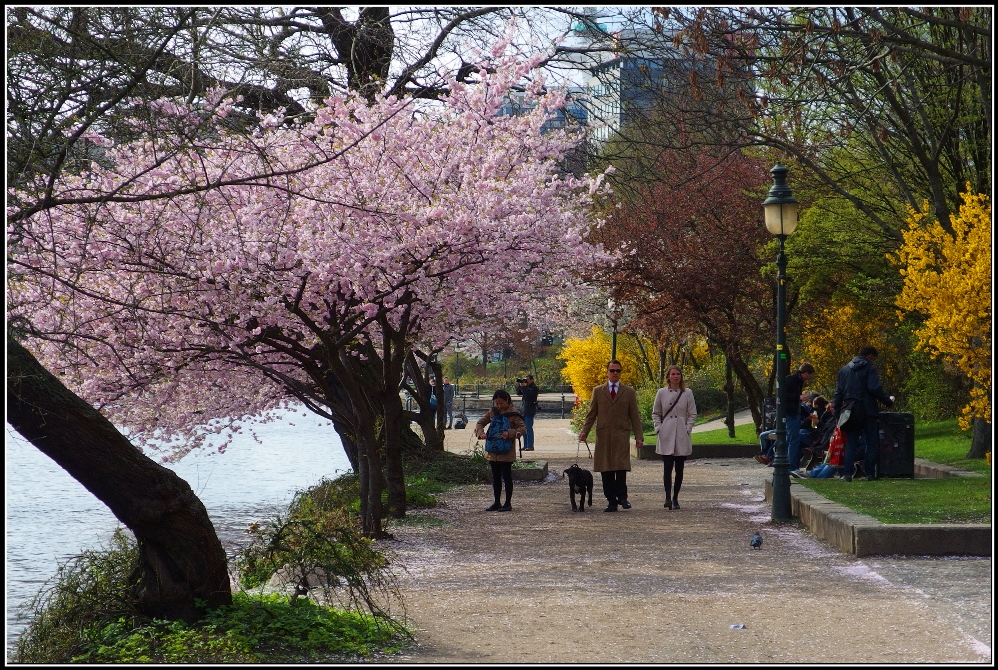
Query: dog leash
(578, 449)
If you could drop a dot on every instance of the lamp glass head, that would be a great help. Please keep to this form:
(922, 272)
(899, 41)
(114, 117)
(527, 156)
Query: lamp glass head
(781, 218)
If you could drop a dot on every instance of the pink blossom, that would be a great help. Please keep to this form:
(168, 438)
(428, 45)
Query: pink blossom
(397, 219)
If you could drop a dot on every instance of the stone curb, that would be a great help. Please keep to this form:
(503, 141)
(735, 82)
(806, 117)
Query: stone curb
(647, 451)
(537, 473)
(924, 468)
(862, 535)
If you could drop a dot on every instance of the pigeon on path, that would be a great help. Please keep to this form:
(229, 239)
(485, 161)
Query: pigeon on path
(756, 541)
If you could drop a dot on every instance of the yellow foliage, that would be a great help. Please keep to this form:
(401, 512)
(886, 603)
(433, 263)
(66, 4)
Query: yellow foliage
(833, 336)
(586, 361)
(947, 278)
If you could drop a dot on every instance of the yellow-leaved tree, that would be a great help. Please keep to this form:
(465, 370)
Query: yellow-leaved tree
(835, 334)
(586, 361)
(947, 279)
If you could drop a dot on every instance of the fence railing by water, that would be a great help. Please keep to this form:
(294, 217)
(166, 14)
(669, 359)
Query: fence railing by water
(477, 398)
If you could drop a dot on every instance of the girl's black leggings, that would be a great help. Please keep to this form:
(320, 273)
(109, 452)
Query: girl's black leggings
(502, 472)
(667, 463)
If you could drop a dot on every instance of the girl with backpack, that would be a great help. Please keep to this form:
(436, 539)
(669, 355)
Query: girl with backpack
(500, 427)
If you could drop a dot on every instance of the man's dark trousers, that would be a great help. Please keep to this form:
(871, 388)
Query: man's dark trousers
(615, 486)
(871, 429)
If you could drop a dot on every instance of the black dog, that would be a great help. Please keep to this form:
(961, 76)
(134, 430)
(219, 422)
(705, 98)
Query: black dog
(579, 481)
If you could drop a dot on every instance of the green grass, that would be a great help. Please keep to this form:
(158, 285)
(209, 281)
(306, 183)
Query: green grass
(889, 500)
(743, 435)
(944, 442)
(941, 500)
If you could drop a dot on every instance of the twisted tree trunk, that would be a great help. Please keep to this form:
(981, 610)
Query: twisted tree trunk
(181, 558)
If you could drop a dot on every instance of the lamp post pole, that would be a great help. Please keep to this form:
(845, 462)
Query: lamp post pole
(781, 472)
(613, 342)
(613, 336)
(781, 219)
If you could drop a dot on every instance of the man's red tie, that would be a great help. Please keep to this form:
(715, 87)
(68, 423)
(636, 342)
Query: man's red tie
(613, 391)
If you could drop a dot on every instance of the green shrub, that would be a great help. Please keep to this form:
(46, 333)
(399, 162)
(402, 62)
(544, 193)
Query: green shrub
(712, 402)
(420, 492)
(254, 629)
(165, 642)
(88, 617)
(449, 469)
(295, 631)
(929, 393)
(646, 403)
(88, 593)
(318, 544)
(578, 418)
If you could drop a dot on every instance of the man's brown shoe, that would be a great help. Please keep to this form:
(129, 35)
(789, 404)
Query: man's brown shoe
(763, 459)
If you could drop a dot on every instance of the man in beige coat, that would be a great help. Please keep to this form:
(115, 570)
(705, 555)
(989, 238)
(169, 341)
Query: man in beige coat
(614, 410)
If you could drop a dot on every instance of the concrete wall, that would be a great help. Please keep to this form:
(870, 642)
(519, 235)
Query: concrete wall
(647, 452)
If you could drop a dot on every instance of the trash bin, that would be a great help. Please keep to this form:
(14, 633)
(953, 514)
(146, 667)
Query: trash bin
(897, 445)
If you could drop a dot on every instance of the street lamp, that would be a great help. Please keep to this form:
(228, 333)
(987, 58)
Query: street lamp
(781, 219)
(613, 338)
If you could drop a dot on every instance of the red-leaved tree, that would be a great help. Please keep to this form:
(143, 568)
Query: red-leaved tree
(691, 242)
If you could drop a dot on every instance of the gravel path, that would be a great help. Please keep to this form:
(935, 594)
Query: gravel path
(648, 585)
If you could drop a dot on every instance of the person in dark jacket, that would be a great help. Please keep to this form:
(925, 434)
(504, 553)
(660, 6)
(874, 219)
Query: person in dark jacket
(448, 390)
(810, 429)
(528, 390)
(826, 425)
(858, 389)
(795, 396)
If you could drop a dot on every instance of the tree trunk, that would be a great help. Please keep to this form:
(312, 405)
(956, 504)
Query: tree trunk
(340, 404)
(644, 358)
(181, 559)
(393, 354)
(365, 389)
(753, 392)
(394, 471)
(980, 441)
(424, 416)
(729, 390)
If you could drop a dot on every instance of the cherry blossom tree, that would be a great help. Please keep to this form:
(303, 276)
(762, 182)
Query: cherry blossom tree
(201, 293)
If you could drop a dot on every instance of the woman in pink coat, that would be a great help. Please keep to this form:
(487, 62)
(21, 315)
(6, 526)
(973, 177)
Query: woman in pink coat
(674, 413)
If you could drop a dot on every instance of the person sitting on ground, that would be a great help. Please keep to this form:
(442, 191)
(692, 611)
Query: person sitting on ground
(832, 463)
(809, 432)
(833, 457)
(794, 385)
(824, 428)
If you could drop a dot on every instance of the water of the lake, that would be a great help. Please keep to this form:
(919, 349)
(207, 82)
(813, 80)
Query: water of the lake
(51, 517)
